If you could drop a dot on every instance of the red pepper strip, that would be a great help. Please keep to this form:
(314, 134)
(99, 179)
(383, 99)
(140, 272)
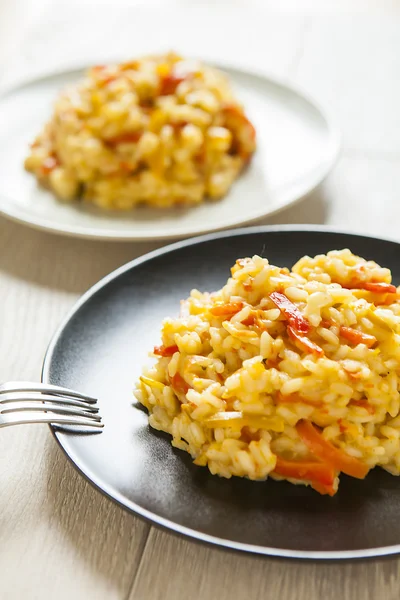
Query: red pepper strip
(314, 472)
(125, 138)
(291, 312)
(304, 344)
(236, 118)
(236, 112)
(165, 350)
(244, 134)
(328, 453)
(169, 83)
(272, 364)
(380, 288)
(179, 385)
(296, 398)
(358, 337)
(226, 310)
(325, 323)
(363, 404)
(251, 319)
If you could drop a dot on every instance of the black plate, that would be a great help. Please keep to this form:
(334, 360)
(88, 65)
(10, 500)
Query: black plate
(100, 349)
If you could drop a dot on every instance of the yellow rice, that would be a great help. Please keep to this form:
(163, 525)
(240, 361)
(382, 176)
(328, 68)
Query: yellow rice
(226, 367)
(160, 130)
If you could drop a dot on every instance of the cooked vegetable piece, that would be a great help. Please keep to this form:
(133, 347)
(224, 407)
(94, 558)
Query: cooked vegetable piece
(226, 310)
(314, 472)
(291, 312)
(327, 452)
(179, 385)
(358, 337)
(165, 350)
(304, 343)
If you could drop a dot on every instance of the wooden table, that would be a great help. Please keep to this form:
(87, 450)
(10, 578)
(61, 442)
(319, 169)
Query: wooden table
(59, 538)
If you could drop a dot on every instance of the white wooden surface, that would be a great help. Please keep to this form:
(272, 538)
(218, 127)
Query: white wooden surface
(59, 538)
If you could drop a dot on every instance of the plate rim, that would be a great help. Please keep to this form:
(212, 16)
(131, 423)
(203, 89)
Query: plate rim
(152, 518)
(287, 198)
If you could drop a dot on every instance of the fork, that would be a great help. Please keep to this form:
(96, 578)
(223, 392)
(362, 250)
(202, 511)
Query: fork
(23, 402)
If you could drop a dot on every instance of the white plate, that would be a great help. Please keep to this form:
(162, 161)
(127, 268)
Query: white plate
(297, 147)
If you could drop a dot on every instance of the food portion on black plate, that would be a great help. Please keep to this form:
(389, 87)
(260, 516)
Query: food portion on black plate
(284, 374)
(332, 323)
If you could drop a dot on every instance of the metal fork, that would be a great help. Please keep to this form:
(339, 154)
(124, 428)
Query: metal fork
(23, 402)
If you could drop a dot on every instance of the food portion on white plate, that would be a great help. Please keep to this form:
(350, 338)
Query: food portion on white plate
(159, 130)
(149, 147)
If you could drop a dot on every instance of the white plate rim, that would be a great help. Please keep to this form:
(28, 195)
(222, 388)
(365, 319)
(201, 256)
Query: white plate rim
(287, 199)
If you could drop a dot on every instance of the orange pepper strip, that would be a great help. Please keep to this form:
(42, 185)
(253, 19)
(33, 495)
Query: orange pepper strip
(358, 337)
(165, 350)
(314, 472)
(125, 138)
(304, 343)
(328, 453)
(380, 287)
(324, 490)
(291, 312)
(226, 310)
(295, 398)
(179, 384)
(363, 404)
(376, 287)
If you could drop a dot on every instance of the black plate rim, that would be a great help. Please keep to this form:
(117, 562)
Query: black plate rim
(150, 517)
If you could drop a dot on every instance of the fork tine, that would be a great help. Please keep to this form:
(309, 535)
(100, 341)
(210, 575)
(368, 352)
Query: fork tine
(24, 386)
(33, 417)
(8, 397)
(57, 409)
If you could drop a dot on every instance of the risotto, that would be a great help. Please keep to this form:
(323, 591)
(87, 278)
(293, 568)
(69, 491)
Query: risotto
(161, 131)
(289, 374)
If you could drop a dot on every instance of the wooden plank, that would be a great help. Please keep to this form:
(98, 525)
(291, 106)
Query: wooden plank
(174, 568)
(58, 536)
